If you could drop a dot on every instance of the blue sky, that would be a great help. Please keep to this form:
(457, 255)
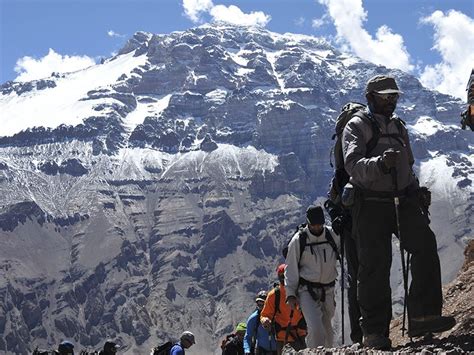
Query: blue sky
(432, 39)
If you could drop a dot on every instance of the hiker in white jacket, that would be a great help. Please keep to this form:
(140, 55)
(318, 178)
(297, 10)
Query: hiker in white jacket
(311, 275)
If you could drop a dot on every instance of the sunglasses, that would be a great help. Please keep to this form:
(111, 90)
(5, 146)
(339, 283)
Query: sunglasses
(391, 97)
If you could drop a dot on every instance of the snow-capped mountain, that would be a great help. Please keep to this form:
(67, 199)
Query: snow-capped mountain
(152, 193)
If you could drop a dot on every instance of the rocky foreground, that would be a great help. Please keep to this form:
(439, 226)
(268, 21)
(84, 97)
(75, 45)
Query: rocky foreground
(458, 298)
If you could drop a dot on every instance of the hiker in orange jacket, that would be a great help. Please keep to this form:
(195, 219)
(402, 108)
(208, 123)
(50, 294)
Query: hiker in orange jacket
(287, 325)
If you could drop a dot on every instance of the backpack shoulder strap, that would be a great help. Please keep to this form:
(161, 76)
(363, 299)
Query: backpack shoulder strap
(277, 300)
(400, 137)
(303, 239)
(332, 243)
(376, 132)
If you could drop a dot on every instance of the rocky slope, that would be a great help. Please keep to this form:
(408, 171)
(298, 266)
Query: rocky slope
(159, 189)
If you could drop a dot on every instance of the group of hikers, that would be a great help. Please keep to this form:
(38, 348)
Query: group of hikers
(374, 194)
(111, 347)
(66, 347)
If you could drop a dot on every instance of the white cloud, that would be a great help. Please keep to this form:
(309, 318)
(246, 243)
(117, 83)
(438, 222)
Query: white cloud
(194, 9)
(112, 33)
(30, 68)
(387, 48)
(454, 40)
(232, 14)
(300, 21)
(318, 22)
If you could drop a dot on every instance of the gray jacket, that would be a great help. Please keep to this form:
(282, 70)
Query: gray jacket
(367, 171)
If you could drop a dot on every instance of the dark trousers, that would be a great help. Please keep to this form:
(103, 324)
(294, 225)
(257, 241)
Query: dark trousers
(350, 252)
(262, 351)
(374, 223)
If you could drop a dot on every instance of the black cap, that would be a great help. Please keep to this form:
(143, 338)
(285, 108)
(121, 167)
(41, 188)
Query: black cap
(66, 347)
(315, 215)
(111, 346)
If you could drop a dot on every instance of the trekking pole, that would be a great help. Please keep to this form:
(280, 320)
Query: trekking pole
(342, 285)
(405, 304)
(288, 327)
(396, 200)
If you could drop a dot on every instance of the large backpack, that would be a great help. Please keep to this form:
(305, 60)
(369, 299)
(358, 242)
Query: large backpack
(349, 110)
(470, 89)
(231, 344)
(301, 324)
(163, 349)
(467, 117)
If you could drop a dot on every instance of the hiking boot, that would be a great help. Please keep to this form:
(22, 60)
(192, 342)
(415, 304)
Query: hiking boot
(431, 324)
(376, 341)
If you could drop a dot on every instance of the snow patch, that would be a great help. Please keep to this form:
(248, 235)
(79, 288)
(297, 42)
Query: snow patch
(61, 105)
(218, 95)
(428, 126)
(237, 57)
(272, 58)
(144, 110)
(347, 62)
(227, 159)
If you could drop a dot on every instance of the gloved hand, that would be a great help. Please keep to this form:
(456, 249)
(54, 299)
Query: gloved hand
(332, 209)
(338, 224)
(266, 323)
(389, 158)
(292, 301)
(425, 197)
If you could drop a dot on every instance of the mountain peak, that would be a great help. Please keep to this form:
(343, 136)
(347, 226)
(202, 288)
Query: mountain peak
(157, 188)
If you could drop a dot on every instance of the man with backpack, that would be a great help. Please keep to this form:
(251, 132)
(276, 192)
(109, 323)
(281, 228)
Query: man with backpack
(257, 340)
(311, 274)
(234, 343)
(277, 317)
(110, 348)
(386, 200)
(185, 342)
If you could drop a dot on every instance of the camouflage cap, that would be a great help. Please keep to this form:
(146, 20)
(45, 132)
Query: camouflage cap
(382, 84)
